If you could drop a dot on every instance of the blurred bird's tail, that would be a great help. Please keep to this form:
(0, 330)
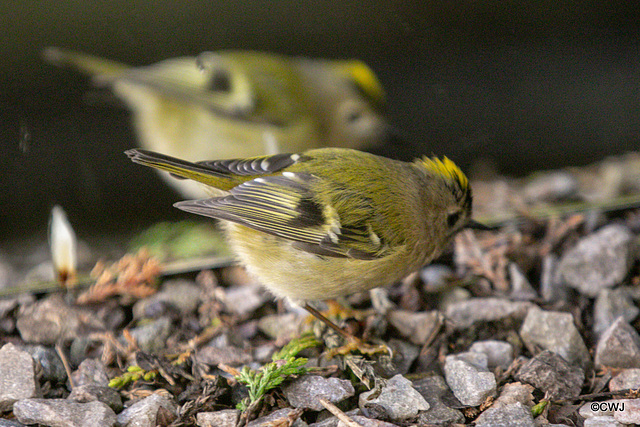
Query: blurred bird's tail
(103, 70)
(182, 168)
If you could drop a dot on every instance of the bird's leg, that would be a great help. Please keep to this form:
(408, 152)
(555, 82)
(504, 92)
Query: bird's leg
(352, 342)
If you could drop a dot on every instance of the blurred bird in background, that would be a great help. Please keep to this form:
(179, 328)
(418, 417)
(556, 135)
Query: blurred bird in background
(236, 104)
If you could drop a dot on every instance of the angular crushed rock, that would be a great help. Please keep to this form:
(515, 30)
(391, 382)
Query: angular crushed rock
(64, 413)
(626, 379)
(52, 319)
(416, 326)
(469, 378)
(224, 418)
(17, 376)
(600, 260)
(499, 353)
(513, 415)
(434, 389)
(619, 346)
(465, 313)
(305, 391)
(144, 412)
(397, 400)
(92, 392)
(551, 374)
(611, 304)
(554, 331)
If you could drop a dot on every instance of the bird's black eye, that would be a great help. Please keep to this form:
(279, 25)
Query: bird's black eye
(220, 81)
(354, 116)
(453, 218)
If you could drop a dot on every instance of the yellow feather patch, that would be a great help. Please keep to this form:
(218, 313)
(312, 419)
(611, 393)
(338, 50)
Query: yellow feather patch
(366, 79)
(447, 169)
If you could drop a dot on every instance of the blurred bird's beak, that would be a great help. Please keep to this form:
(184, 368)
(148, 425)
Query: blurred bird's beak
(475, 225)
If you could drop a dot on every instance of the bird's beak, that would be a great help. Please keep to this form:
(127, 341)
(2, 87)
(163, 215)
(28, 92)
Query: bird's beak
(475, 225)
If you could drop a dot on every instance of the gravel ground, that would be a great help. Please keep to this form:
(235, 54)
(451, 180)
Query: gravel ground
(532, 323)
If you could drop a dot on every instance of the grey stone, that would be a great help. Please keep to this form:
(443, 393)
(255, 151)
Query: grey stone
(587, 411)
(90, 372)
(550, 187)
(611, 304)
(512, 415)
(433, 389)
(52, 368)
(416, 326)
(182, 294)
(626, 379)
(367, 422)
(397, 400)
(619, 346)
(554, 331)
(516, 392)
(521, 289)
(232, 356)
(64, 413)
(499, 353)
(143, 413)
(600, 260)
(8, 305)
(244, 300)
(602, 421)
(11, 423)
(279, 417)
(152, 337)
(224, 418)
(469, 378)
(404, 354)
(17, 376)
(263, 353)
(552, 288)
(93, 392)
(380, 300)
(52, 319)
(436, 277)
(552, 374)
(282, 326)
(325, 419)
(463, 314)
(305, 391)
(631, 412)
(8, 308)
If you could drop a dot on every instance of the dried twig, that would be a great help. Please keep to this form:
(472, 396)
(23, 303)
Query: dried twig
(338, 413)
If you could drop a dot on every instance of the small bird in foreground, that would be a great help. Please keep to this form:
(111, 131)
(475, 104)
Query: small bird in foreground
(328, 222)
(234, 103)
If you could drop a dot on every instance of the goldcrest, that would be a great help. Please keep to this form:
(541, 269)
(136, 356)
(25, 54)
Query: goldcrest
(331, 221)
(233, 104)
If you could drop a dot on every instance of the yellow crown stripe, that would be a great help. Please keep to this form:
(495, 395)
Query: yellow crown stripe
(447, 169)
(365, 77)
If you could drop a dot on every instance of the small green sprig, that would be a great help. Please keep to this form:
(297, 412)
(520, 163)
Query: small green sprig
(133, 374)
(539, 408)
(271, 375)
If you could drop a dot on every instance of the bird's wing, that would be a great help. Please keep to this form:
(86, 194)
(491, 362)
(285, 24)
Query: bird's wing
(287, 206)
(253, 166)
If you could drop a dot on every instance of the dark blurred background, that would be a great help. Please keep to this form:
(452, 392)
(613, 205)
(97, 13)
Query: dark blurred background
(525, 85)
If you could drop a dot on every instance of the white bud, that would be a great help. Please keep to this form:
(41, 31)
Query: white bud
(63, 243)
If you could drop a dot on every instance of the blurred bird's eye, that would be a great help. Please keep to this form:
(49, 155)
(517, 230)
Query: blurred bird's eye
(353, 116)
(220, 81)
